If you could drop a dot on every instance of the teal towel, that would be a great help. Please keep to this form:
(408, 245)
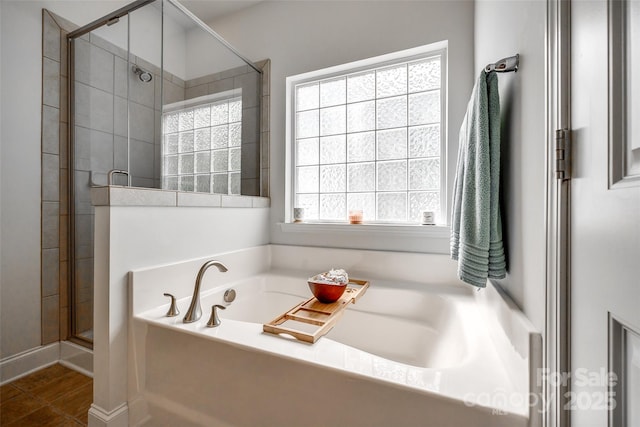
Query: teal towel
(476, 226)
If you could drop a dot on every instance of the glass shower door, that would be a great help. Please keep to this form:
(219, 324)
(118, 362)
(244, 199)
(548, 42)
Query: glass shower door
(143, 100)
(116, 92)
(95, 57)
(158, 100)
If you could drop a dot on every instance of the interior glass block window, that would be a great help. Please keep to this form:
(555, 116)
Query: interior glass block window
(370, 140)
(202, 147)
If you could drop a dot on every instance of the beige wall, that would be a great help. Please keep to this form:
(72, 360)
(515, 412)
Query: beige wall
(20, 194)
(304, 36)
(504, 28)
(298, 37)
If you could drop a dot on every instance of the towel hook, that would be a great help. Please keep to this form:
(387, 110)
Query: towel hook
(504, 65)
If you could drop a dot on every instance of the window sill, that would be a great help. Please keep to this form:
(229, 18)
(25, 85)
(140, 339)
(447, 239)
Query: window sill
(415, 230)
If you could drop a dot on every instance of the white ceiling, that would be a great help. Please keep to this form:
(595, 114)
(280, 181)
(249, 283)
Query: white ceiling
(209, 10)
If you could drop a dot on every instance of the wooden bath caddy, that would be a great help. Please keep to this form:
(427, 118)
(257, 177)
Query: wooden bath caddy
(313, 312)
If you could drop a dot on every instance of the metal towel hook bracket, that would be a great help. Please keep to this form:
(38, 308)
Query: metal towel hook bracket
(505, 65)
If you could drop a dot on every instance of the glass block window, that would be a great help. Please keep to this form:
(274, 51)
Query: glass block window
(370, 140)
(202, 147)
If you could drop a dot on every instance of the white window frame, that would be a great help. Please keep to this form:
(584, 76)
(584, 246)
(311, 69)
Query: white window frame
(433, 49)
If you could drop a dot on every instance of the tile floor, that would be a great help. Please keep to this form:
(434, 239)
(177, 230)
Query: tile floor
(54, 396)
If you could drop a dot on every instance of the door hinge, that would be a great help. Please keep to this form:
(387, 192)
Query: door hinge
(563, 154)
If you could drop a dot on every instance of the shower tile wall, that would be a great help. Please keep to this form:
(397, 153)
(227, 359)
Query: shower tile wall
(102, 74)
(101, 129)
(104, 117)
(54, 266)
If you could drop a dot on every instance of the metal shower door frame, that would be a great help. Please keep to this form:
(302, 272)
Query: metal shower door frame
(112, 17)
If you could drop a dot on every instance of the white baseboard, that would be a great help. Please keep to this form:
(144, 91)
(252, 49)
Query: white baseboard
(24, 363)
(119, 417)
(76, 357)
(64, 352)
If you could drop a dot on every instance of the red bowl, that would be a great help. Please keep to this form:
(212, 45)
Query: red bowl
(327, 293)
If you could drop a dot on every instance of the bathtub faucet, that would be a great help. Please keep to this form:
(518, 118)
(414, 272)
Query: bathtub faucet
(195, 311)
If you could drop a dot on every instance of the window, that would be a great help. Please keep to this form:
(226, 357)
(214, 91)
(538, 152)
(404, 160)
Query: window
(369, 138)
(201, 148)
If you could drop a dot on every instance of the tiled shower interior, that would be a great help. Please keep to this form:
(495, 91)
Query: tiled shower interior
(166, 131)
(102, 127)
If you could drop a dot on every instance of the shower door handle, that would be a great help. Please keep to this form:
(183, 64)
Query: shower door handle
(118, 172)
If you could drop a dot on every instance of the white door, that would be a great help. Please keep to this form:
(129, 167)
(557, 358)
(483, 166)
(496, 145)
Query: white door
(605, 213)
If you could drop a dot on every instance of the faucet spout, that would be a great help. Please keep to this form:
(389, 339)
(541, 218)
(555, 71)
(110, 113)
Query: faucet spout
(195, 310)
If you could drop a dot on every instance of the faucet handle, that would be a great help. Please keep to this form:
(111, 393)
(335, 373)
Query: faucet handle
(214, 320)
(173, 309)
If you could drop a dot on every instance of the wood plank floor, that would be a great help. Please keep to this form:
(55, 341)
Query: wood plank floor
(54, 396)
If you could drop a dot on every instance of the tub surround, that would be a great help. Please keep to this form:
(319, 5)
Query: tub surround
(432, 239)
(426, 269)
(136, 230)
(130, 196)
(466, 369)
(144, 296)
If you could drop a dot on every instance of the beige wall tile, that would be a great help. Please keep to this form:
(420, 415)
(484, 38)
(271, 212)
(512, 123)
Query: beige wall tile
(264, 114)
(50, 319)
(93, 66)
(50, 177)
(264, 150)
(50, 130)
(64, 54)
(94, 108)
(50, 225)
(50, 272)
(194, 92)
(172, 92)
(250, 161)
(51, 82)
(64, 108)
(220, 86)
(50, 36)
(250, 84)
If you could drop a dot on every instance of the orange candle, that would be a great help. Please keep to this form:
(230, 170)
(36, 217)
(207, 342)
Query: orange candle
(355, 217)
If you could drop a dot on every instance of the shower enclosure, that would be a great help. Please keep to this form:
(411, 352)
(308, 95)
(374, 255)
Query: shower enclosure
(157, 100)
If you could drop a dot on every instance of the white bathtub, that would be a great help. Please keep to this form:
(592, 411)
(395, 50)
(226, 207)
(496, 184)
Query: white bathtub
(405, 354)
(413, 327)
